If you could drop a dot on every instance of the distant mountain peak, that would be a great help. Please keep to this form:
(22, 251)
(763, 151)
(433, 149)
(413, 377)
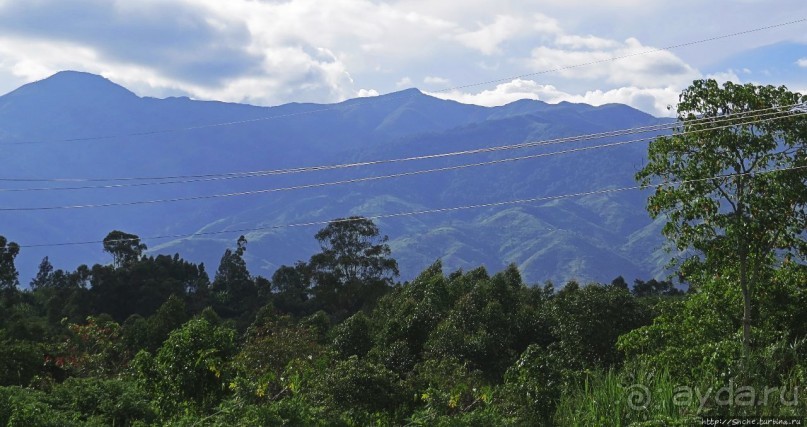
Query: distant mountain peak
(410, 91)
(73, 86)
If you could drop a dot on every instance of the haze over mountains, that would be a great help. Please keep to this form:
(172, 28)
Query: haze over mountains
(78, 125)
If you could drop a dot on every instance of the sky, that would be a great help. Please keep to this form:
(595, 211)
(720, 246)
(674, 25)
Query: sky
(268, 52)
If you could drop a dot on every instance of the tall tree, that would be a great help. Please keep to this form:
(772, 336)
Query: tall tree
(44, 276)
(233, 287)
(232, 268)
(125, 248)
(292, 288)
(353, 249)
(9, 277)
(354, 267)
(732, 182)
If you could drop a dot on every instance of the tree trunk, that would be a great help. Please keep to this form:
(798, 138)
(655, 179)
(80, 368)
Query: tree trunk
(742, 252)
(744, 286)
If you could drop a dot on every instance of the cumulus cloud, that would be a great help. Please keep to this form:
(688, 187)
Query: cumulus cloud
(178, 39)
(725, 76)
(21, 57)
(585, 42)
(659, 102)
(365, 93)
(543, 24)
(432, 80)
(652, 100)
(628, 62)
(404, 82)
(504, 93)
(244, 51)
(270, 52)
(488, 37)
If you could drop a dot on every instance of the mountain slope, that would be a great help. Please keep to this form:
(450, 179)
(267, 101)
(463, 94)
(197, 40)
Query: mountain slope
(79, 125)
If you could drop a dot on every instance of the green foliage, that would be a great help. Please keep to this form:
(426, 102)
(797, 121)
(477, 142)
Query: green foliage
(125, 248)
(191, 369)
(292, 287)
(143, 286)
(9, 277)
(20, 407)
(360, 384)
(271, 344)
(235, 294)
(405, 318)
(135, 334)
(94, 348)
(693, 338)
(481, 327)
(697, 339)
(149, 334)
(319, 323)
(291, 411)
(44, 276)
(446, 387)
(354, 267)
(115, 402)
(586, 323)
(170, 316)
(646, 398)
(532, 386)
(654, 287)
(735, 193)
(353, 336)
(463, 349)
(20, 361)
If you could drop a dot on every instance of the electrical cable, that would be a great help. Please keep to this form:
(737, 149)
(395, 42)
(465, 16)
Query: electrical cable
(373, 178)
(183, 179)
(424, 211)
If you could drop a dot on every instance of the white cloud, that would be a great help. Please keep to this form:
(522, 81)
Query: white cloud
(404, 82)
(432, 80)
(651, 100)
(488, 37)
(626, 63)
(504, 93)
(22, 57)
(585, 42)
(725, 76)
(543, 24)
(659, 102)
(269, 52)
(364, 93)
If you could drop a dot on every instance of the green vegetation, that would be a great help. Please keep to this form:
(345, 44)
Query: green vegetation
(336, 341)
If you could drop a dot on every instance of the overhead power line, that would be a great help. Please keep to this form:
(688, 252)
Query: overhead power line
(184, 179)
(363, 101)
(755, 120)
(425, 211)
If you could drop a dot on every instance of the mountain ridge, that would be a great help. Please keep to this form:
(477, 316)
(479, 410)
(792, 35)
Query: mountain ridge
(140, 136)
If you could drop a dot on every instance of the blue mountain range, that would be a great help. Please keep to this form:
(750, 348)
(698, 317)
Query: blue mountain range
(180, 173)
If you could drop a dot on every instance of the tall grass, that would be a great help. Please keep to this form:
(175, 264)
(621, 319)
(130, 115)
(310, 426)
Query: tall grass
(654, 398)
(619, 399)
